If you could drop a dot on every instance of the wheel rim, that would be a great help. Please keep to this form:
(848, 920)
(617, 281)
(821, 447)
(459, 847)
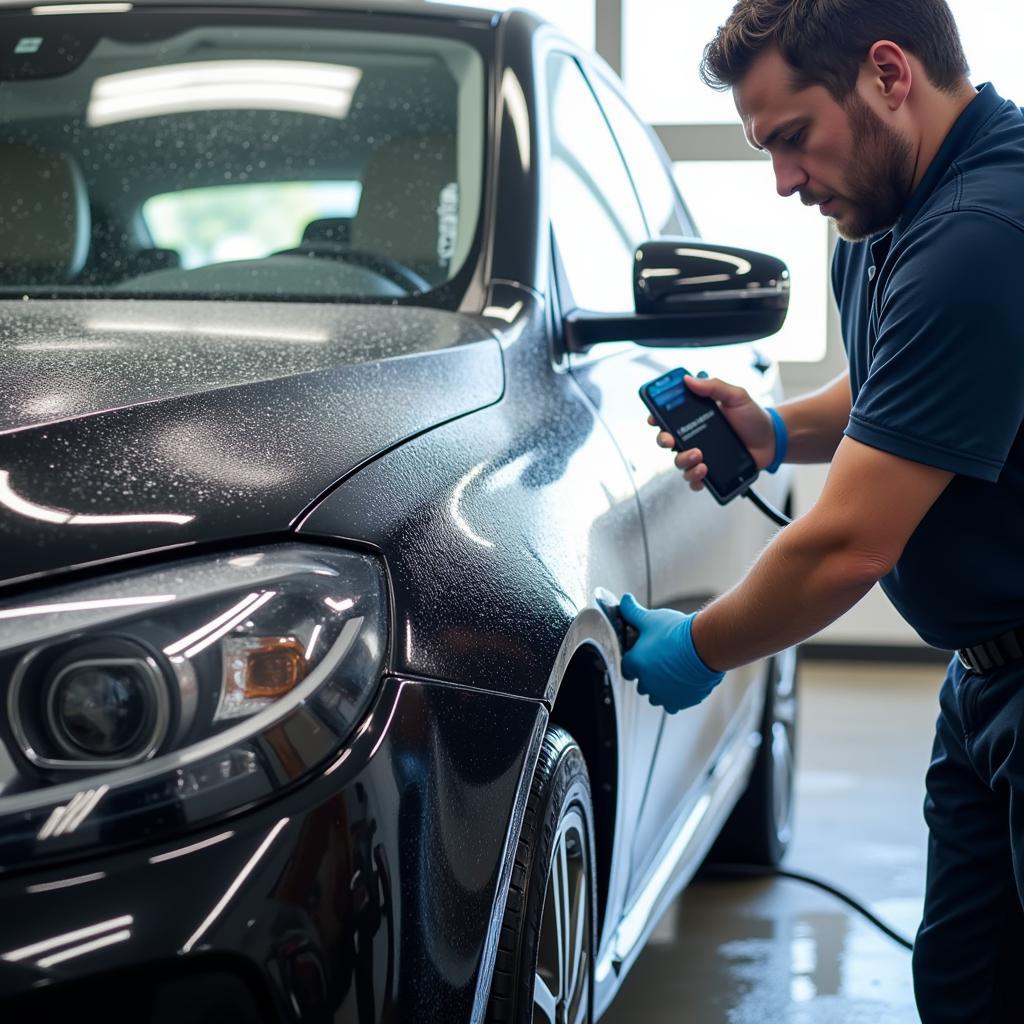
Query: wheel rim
(561, 990)
(783, 742)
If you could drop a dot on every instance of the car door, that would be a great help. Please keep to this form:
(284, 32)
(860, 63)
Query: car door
(696, 549)
(596, 219)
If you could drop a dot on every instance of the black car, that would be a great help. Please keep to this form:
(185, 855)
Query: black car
(320, 439)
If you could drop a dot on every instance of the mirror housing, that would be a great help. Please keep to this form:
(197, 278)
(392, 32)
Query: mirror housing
(689, 292)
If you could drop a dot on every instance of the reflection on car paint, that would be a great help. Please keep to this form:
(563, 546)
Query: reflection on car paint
(20, 505)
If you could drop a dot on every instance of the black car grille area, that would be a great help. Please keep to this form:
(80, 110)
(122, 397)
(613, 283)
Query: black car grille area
(172, 996)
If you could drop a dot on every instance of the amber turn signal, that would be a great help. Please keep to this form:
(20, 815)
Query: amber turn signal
(258, 670)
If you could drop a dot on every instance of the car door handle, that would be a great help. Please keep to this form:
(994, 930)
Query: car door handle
(760, 363)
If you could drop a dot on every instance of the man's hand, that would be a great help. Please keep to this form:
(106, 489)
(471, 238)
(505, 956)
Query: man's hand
(745, 416)
(663, 660)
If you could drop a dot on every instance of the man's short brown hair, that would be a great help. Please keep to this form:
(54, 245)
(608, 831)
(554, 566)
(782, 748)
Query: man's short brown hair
(826, 41)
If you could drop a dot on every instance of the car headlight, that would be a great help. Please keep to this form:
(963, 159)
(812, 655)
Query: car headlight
(155, 699)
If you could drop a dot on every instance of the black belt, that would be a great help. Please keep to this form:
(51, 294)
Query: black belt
(995, 653)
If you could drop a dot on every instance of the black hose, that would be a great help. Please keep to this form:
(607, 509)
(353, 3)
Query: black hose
(768, 509)
(755, 871)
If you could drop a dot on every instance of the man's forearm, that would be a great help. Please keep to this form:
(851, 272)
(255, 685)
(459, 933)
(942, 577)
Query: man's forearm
(805, 579)
(815, 422)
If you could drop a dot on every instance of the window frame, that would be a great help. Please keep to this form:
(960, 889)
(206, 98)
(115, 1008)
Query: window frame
(566, 299)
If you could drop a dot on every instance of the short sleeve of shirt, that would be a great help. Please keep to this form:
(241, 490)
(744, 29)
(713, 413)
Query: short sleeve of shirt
(945, 384)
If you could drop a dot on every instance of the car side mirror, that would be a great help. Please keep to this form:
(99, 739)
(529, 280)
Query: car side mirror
(692, 293)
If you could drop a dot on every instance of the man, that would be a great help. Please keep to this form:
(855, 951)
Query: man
(866, 111)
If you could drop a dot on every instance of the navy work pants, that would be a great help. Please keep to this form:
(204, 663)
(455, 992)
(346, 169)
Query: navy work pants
(969, 953)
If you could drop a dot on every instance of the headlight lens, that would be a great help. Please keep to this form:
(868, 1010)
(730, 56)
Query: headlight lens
(107, 707)
(184, 692)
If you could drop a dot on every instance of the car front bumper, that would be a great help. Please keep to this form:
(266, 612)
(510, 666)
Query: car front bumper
(367, 893)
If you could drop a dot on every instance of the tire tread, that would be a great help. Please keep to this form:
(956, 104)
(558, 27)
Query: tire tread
(559, 765)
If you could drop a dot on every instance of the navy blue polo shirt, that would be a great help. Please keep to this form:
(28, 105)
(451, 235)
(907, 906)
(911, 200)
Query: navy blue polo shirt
(933, 324)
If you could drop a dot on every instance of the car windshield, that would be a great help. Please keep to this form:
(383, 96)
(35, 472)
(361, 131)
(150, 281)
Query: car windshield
(216, 155)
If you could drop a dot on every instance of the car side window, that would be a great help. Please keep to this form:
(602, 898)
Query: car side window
(658, 196)
(595, 216)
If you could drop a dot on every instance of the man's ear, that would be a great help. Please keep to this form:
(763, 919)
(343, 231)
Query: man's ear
(888, 74)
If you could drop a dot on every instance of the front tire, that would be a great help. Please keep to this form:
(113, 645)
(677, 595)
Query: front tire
(543, 973)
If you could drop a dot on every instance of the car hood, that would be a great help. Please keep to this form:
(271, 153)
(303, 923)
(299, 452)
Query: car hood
(131, 426)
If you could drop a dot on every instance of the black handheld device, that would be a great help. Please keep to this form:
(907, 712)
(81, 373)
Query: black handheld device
(697, 422)
(609, 604)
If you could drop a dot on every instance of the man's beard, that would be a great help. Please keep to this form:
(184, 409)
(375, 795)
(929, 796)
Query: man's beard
(880, 182)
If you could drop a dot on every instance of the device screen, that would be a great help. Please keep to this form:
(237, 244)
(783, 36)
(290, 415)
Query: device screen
(697, 422)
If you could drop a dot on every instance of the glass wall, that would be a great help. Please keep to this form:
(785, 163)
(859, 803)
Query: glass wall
(662, 45)
(991, 33)
(734, 202)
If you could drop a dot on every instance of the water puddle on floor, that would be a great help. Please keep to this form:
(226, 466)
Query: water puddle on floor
(765, 953)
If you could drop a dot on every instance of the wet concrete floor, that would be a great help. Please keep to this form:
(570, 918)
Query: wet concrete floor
(780, 952)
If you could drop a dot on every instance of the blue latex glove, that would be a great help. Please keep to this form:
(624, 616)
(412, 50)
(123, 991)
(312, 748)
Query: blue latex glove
(663, 660)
